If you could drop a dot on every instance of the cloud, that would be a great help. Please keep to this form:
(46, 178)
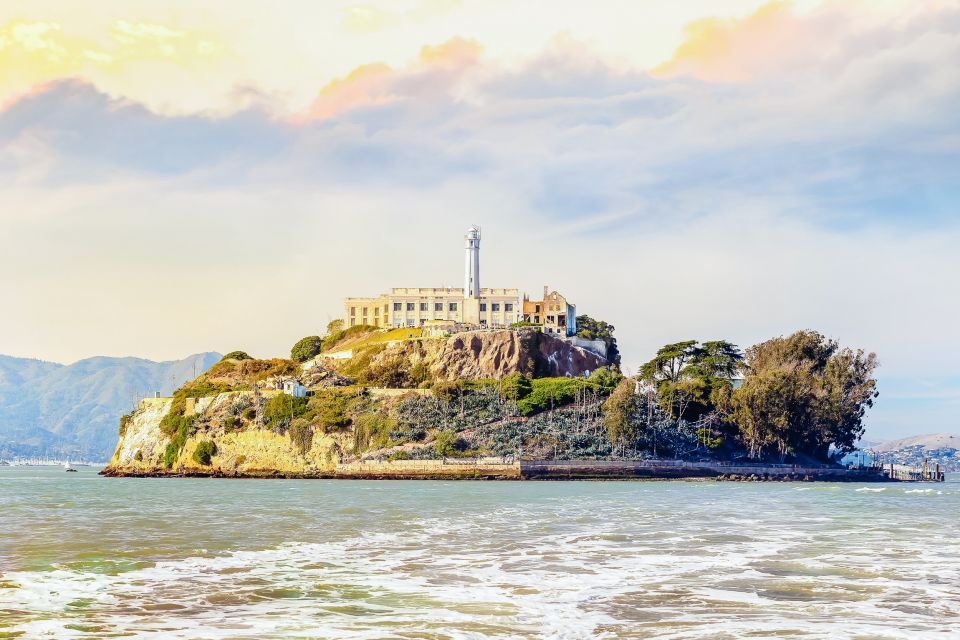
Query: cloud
(373, 85)
(732, 194)
(39, 51)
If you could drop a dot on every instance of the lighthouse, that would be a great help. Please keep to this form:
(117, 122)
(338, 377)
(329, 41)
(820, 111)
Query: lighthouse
(471, 275)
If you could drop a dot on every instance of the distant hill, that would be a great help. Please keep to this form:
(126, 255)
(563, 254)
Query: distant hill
(53, 409)
(927, 442)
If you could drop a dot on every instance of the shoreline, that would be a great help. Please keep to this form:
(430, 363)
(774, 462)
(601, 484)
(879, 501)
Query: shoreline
(542, 470)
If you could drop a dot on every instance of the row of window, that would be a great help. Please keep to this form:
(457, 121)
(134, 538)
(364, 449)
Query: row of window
(412, 322)
(437, 306)
(412, 306)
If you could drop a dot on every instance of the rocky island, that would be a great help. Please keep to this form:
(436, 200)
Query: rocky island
(365, 402)
(476, 382)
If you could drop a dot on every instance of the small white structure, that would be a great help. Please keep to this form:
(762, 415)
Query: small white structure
(293, 388)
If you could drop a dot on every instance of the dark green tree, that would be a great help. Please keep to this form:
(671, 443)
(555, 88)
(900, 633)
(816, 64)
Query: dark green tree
(802, 394)
(306, 348)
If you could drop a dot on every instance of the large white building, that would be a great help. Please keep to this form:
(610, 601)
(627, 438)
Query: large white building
(416, 306)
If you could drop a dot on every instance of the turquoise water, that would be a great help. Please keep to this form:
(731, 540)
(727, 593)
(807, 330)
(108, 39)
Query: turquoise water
(88, 557)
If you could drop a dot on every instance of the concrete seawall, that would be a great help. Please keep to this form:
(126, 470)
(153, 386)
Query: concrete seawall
(499, 469)
(677, 469)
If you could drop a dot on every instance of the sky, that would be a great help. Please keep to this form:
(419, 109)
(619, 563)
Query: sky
(181, 177)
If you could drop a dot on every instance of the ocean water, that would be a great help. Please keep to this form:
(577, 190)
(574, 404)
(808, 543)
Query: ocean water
(88, 557)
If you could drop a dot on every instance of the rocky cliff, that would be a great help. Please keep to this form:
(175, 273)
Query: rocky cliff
(470, 355)
(414, 400)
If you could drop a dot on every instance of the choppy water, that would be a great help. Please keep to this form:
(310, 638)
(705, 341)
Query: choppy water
(89, 557)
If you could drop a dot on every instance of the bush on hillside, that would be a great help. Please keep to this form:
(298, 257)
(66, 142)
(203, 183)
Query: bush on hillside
(301, 435)
(236, 355)
(204, 451)
(280, 410)
(333, 408)
(515, 386)
(550, 393)
(306, 348)
(124, 423)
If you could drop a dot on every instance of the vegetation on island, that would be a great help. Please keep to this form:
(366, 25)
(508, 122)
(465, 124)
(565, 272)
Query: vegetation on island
(799, 397)
(802, 397)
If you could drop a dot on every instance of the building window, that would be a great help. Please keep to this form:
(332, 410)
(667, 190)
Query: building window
(537, 309)
(438, 306)
(410, 306)
(410, 322)
(453, 306)
(483, 306)
(353, 311)
(353, 321)
(423, 306)
(496, 306)
(376, 311)
(536, 319)
(397, 306)
(384, 309)
(508, 306)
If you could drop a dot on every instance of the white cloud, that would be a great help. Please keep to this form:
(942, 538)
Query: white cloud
(673, 207)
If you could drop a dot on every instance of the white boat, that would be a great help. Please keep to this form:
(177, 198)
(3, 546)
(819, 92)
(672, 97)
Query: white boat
(68, 467)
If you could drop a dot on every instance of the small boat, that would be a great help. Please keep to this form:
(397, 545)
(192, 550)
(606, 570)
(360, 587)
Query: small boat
(68, 467)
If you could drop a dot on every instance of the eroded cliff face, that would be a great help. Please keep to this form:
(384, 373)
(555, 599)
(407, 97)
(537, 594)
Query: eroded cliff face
(142, 447)
(473, 355)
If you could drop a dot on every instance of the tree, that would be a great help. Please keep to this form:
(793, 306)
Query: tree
(334, 325)
(236, 355)
(802, 394)
(668, 364)
(622, 415)
(306, 348)
(605, 379)
(687, 374)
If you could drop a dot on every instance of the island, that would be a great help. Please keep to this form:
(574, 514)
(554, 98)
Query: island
(473, 382)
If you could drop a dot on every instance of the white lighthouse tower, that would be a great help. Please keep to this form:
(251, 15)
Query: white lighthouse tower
(471, 275)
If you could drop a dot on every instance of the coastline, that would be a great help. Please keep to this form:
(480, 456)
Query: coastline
(531, 470)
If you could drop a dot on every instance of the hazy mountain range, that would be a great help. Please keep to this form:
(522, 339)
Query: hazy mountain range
(73, 410)
(927, 442)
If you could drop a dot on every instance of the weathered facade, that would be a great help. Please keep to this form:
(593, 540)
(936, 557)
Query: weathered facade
(553, 313)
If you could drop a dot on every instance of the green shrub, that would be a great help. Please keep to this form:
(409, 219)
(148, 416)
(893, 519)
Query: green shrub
(250, 413)
(236, 355)
(185, 428)
(231, 423)
(515, 386)
(443, 443)
(204, 451)
(399, 455)
(446, 389)
(374, 430)
(138, 456)
(124, 423)
(550, 393)
(280, 410)
(301, 435)
(306, 348)
(605, 379)
(335, 414)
